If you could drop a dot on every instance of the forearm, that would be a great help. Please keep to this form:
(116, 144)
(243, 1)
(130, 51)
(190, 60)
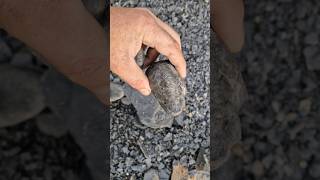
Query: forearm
(64, 33)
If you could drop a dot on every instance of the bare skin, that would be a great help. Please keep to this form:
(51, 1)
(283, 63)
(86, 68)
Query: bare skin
(65, 34)
(133, 28)
(72, 41)
(227, 21)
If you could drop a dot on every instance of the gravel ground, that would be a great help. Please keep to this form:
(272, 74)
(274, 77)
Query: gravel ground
(135, 148)
(26, 152)
(40, 144)
(280, 65)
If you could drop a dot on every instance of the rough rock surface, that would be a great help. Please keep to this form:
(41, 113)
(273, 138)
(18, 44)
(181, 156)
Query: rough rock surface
(150, 112)
(25, 151)
(280, 120)
(116, 92)
(21, 95)
(227, 95)
(166, 85)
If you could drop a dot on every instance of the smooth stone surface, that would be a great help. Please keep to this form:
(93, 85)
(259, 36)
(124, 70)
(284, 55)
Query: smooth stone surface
(22, 59)
(50, 124)
(57, 90)
(116, 92)
(167, 87)
(150, 113)
(21, 95)
(86, 118)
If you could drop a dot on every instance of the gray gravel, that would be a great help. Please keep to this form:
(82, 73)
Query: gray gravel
(135, 148)
(280, 122)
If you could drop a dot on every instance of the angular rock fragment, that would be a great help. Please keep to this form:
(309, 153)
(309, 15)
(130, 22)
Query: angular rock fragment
(151, 174)
(202, 161)
(150, 112)
(312, 57)
(227, 95)
(21, 95)
(116, 92)
(167, 87)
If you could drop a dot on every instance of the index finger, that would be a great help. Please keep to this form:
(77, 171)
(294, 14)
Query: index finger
(158, 38)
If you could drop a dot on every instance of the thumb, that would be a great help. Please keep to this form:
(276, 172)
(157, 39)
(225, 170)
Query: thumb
(134, 76)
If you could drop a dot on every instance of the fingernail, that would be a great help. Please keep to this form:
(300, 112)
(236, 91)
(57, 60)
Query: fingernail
(145, 92)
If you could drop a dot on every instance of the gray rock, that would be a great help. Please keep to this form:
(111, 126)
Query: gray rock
(178, 120)
(57, 90)
(116, 92)
(22, 59)
(5, 51)
(167, 87)
(150, 112)
(305, 106)
(168, 137)
(315, 170)
(312, 39)
(164, 174)
(95, 7)
(85, 115)
(21, 95)
(227, 95)
(202, 163)
(151, 174)
(50, 124)
(313, 63)
(125, 101)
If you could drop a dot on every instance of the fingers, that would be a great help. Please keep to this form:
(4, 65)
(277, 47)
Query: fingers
(133, 75)
(166, 27)
(227, 18)
(157, 37)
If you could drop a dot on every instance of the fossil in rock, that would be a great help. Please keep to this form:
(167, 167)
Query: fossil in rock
(167, 86)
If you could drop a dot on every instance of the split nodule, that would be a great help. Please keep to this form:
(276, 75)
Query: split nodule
(167, 86)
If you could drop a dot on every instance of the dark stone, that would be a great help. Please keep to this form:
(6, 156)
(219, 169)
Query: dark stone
(227, 95)
(21, 95)
(167, 87)
(150, 112)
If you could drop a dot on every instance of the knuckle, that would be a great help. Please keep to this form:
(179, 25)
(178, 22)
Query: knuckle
(174, 45)
(146, 18)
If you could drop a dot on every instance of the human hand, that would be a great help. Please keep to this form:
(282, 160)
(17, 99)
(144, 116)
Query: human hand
(227, 20)
(69, 39)
(132, 28)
